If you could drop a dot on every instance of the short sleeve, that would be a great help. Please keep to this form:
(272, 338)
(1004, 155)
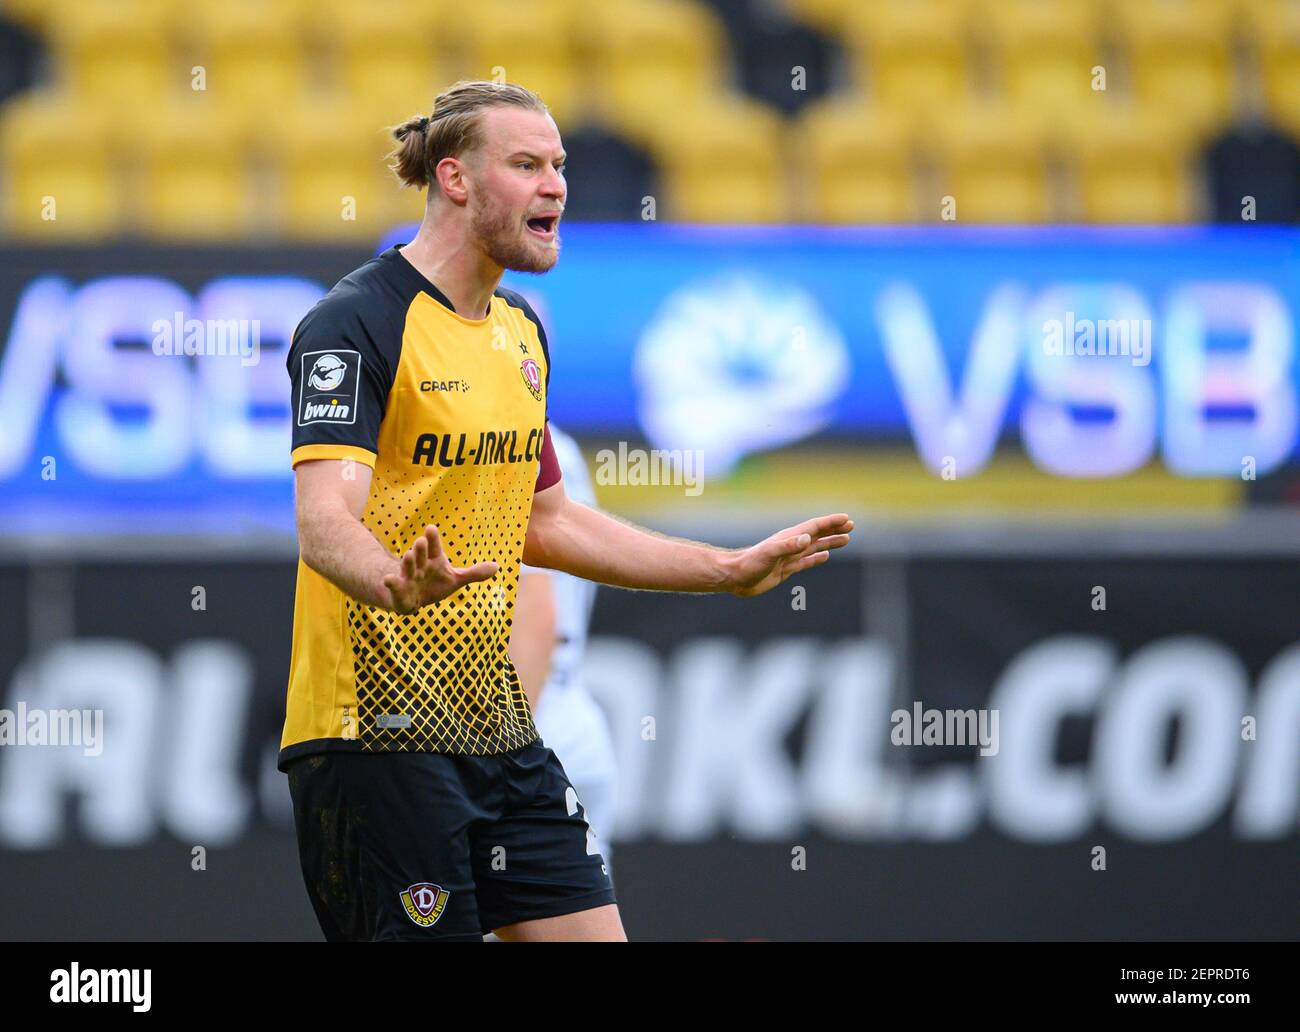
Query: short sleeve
(548, 474)
(340, 383)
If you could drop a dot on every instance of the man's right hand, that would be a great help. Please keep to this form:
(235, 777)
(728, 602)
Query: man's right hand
(425, 575)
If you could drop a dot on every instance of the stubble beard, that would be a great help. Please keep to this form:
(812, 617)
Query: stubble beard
(504, 240)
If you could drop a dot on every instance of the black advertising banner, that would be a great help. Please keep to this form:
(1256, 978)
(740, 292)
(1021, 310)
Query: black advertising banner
(951, 747)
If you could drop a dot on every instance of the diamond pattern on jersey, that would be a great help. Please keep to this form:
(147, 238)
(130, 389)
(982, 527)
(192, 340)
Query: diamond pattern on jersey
(441, 680)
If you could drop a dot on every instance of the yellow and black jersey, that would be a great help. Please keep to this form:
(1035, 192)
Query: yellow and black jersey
(450, 413)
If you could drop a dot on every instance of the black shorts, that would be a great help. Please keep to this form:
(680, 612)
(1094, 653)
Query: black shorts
(433, 846)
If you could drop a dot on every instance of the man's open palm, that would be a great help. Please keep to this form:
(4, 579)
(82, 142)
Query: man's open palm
(765, 565)
(426, 575)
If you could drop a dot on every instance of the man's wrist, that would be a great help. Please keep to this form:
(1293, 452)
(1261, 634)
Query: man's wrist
(381, 594)
(724, 569)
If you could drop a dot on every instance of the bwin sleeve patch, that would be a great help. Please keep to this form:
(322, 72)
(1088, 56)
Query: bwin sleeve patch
(329, 387)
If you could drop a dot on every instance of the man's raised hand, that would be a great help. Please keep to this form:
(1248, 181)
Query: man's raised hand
(425, 575)
(765, 565)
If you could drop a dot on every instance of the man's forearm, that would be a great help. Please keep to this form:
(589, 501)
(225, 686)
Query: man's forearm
(598, 547)
(342, 549)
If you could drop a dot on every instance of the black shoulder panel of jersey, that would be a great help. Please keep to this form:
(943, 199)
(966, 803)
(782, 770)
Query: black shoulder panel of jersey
(346, 351)
(514, 298)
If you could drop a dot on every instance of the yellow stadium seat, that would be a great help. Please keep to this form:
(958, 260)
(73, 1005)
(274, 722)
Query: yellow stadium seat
(332, 175)
(524, 44)
(722, 164)
(1130, 166)
(857, 163)
(59, 181)
(45, 14)
(114, 51)
(195, 178)
(33, 13)
(427, 20)
(901, 13)
(828, 15)
(1180, 59)
(251, 53)
(1044, 51)
(912, 56)
(383, 56)
(1221, 18)
(650, 62)
(1277, 44)
(1261, 17)
(406, 93)
(996, 165)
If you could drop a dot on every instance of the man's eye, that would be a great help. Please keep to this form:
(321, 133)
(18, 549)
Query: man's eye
(523, 164)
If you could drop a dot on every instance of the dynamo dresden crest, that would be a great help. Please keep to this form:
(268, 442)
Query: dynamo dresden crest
(424, 902)
(532, 377)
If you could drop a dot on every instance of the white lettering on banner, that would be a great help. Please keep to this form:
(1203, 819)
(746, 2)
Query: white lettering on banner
(849, 789)
(699, 776)
(204, 798)
(624, 676)
(719, 762)
(216, 413)
(27, 372)
(236, 418)
(963, 425)
(125, 681)
(1030, 795)
(1270, 788)
(1257, 377)
(1055, 438)
(101, 375)
(759, 697)
(1201, 684)
(171, 750)
(233, 441)
(966, 426)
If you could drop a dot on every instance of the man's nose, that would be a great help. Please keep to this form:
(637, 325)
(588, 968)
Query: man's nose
(554, 185)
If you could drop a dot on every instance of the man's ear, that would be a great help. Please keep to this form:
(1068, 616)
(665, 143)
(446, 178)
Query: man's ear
(450, 174)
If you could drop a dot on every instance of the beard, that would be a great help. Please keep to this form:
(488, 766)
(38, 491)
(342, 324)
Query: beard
(505, 240)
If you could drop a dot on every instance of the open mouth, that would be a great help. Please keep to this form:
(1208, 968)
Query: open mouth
(544, 225)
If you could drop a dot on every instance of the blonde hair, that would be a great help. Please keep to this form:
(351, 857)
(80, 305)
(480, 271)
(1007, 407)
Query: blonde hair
(453, 128)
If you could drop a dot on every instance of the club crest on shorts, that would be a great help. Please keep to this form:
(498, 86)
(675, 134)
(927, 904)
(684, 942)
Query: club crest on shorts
(424, 902)
(532, 374)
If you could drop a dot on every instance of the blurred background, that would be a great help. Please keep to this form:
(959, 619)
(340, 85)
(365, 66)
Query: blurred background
(1014, 283)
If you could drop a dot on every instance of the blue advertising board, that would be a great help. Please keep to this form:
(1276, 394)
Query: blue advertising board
(150, 383)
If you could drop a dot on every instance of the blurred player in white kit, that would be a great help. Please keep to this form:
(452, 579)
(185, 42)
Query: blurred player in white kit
(548, 644)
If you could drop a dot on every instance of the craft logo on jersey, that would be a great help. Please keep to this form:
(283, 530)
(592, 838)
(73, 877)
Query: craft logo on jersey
(330, 382)
(424, 902)
(532, 377)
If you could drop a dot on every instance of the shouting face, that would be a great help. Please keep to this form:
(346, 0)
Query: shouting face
(517, 188)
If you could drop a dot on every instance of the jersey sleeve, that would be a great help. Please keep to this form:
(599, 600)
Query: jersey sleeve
(340, 381)
(548, 473)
